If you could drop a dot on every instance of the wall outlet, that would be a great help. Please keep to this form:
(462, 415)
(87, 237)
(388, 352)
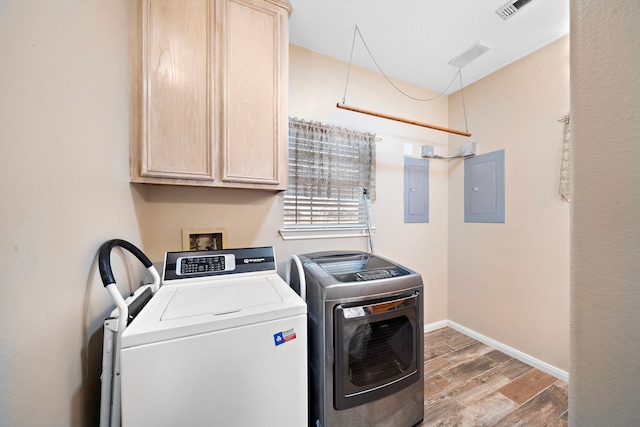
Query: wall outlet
(204, 238)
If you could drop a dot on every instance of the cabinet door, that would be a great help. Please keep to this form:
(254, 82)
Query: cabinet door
(254, 92)
(175, 110)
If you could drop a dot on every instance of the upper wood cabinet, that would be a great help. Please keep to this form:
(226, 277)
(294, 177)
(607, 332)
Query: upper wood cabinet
(209, 91)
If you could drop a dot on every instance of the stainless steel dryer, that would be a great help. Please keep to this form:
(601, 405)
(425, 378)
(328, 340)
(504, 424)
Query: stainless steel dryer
(365, 326)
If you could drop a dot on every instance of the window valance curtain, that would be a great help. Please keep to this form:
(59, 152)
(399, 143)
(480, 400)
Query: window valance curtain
(329, 167)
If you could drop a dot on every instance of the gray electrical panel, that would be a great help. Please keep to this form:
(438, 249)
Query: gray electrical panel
(416, 190)
(484, 188)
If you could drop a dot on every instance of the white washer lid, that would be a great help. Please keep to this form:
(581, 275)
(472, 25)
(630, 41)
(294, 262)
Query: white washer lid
(195, 308)
(223, 298)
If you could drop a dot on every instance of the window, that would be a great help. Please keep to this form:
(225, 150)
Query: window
(329, 170)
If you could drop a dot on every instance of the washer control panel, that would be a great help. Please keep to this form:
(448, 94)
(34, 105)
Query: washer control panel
(195, 264)
(189, 265)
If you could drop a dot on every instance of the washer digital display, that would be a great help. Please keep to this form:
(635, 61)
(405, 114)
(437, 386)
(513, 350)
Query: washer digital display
(204, 264)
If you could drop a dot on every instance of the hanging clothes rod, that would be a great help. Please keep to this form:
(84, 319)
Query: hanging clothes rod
(400, 119)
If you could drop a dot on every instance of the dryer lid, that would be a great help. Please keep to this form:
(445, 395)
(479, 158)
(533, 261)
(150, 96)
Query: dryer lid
(350, 267)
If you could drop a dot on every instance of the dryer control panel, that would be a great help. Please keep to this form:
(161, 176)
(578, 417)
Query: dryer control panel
(358, 266)
(194, 264)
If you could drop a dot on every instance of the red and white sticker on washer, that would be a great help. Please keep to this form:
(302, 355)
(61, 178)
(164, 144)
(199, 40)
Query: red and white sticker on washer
(284, 336)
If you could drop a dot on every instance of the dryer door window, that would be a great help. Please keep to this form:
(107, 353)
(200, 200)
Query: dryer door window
(376, 350)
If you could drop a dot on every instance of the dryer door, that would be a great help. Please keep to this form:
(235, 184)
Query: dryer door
(376, 350)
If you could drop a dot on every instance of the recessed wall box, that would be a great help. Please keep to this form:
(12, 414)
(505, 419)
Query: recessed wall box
(204, 238)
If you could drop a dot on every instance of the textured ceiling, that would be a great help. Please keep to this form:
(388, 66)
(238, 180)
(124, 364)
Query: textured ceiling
(414, 40)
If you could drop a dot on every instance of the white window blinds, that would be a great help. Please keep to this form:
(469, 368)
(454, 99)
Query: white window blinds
(329, 168)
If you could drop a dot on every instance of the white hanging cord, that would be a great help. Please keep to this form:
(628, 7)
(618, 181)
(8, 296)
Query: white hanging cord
(367, 207)
(464, 107)
(344, 96)
(357, 31)
(565, 167)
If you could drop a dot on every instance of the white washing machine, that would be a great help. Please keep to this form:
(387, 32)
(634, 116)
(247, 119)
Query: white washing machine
(223, 342)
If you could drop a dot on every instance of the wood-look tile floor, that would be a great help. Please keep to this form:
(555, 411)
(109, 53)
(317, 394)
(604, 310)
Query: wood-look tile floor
(469, 384)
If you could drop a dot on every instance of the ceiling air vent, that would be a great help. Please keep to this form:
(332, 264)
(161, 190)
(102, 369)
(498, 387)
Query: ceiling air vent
(511, 8)
(470, 54)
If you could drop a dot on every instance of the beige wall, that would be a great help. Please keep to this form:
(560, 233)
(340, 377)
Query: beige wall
(64, 190)
(605, 239)
(64, 187)
(510, 281)
(253, 218)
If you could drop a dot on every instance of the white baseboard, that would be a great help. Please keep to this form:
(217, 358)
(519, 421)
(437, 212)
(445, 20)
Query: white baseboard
(529, 360)
(436, 325)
